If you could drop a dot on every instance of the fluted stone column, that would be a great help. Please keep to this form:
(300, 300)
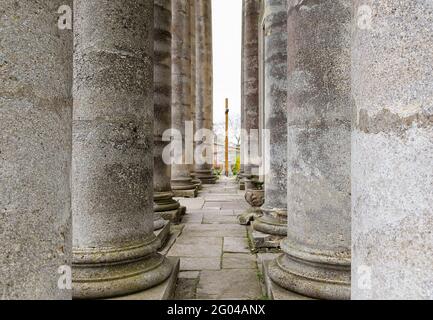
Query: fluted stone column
(392, 166)
(203, 81)
(250, 74)
(112, 165)
(165, 206)
(316, 259)
(273, 221)
(35, 149)
(181, 180)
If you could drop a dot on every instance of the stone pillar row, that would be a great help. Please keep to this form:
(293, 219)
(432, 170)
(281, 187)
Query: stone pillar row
(360, 141)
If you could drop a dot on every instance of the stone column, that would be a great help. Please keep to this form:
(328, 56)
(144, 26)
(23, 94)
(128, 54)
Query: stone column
(316, 259)
(250, 73)
(242, 146)
(195, 180)
(165, 206)
(35, 149)
(181, 180)
(203, 103)
(272, 225)
(112, 160)
(392, 166)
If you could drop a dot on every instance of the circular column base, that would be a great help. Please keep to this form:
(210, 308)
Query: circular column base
(312, 274)
(272, 221)
(206, 176)
(112, 272)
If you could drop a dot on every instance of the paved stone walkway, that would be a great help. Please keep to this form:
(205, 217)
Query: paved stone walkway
(216, 261)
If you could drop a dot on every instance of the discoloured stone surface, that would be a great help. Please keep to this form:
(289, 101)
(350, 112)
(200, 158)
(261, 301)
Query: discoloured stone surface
(392, 168)
(319, 143)
(112, 159)
(197, 264)
(35, 149)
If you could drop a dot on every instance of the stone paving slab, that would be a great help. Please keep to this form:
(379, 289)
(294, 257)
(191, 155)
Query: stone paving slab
(239, 261)
(187, 246)
(215, 230)
(218, 219)
(239, 284)
(236, 245)
(190, 204)
(189, 275)
(199, 264)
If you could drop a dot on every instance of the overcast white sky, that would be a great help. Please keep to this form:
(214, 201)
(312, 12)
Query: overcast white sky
(227, 35)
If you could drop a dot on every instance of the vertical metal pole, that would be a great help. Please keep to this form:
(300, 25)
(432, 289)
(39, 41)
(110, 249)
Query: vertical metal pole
(227, 139)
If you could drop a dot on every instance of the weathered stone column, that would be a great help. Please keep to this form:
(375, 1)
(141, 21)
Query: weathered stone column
(392, 166)
(273, 222)
(165, 206)
(112, 165)
(181, 180)
(316, 259)
(35, 149)
(203, 81)
(242, 146)
(250, 74)
(195, 180)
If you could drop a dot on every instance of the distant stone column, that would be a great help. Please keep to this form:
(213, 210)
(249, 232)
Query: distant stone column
(35, 149)
(392, 166)
(195, 180)
(112, 165)
(316, 259)
(165, 206)
(242, 145)
(203, 103)
(181, 180)
(273, 222)
(250, 74)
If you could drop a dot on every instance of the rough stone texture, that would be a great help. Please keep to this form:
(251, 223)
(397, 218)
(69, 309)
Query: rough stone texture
(317, 249)
(274, 211)
(250, 72)
(35, 149)
(182, 184)
(203, 82)
(112, 158)
(392, 168)
(164, 206)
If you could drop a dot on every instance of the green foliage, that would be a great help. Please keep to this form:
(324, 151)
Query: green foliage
(237, 166)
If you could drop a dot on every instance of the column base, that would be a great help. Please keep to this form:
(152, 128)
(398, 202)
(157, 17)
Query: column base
(275, 292)
(100, 273)
(184, 188)
(206, 176)
(163, 291)
(248, 216)
(270, 228)
(311, 274)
